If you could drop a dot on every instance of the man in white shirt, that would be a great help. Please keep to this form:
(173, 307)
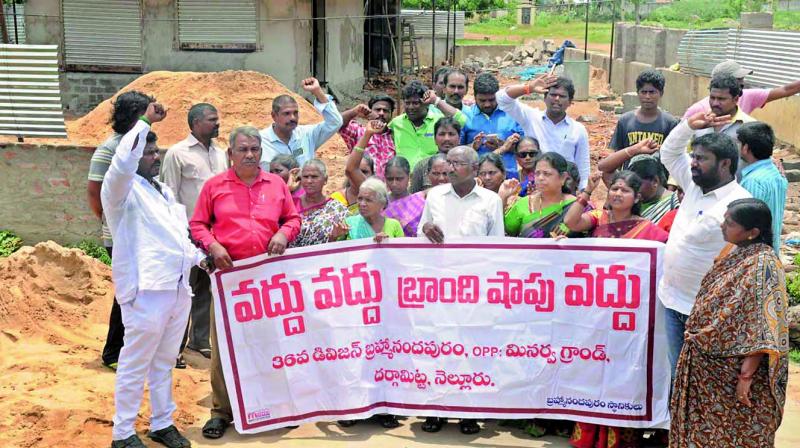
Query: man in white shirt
(461, 208)
(151, 267)
(285, 136)
(188, 164)
(707, 177)
(554, 130)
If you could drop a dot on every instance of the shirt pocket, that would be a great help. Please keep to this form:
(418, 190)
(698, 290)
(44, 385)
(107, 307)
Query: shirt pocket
(703, 230)
(475, 222)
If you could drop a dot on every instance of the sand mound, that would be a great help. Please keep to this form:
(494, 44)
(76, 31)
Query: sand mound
(48, 285)
(242, 97)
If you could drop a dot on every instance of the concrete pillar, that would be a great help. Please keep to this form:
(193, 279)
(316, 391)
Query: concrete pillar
(756, 20)
(578, 72)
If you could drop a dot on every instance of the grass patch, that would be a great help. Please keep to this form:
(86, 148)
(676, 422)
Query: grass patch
(557, 28)
(94, 250)
(794, 356)
(481, 42)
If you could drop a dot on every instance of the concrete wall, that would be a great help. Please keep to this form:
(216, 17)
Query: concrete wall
(283, 48)
(649, 45)
(81, 92)
(782, 116)
(671, 41)
(54, 179)
(425, 47)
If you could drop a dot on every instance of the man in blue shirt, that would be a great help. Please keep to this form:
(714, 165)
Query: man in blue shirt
(760, 176)
(488, 128)
(285, 136)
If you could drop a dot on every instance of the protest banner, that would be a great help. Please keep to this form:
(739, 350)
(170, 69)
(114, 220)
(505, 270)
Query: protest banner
(475, 328)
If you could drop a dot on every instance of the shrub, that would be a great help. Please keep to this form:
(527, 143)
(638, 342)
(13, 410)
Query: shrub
(793, 288)
(9, 243)
(94, 250)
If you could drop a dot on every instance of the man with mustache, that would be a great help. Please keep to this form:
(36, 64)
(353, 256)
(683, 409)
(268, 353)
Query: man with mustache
(243, 212)
(456, 84)
(188, 164)
(707, 176)
(552, 128)
(724, 93)
(285, 136)
(381, 146)
(152, 261)
(751, 99)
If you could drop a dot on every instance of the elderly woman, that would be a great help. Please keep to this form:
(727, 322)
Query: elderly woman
(319, 213)
(539, 214)
(370, 222)
(447, 134)
(403, 206)
(730, 384)
(286, 167)
(358, 168)
(491, 171)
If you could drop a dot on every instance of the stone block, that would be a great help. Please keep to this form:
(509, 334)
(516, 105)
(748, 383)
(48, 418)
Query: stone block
(573, 54)
(630, 101)
(88, 81)
(792, 175)
(618, 75)
(672, 40)
(756, 20)
(678, 92)
(632, 72)
(578, 71)
(599, 60)
(649, 45)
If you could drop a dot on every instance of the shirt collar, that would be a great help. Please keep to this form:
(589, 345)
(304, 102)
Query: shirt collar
(271, 136)
(452, 191)
(741, 116)
(724, 190)
(756, 165)
(192, 141)
(567, 120)
(231, 176)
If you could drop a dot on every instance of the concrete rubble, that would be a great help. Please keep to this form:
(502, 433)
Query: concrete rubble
(532, 53)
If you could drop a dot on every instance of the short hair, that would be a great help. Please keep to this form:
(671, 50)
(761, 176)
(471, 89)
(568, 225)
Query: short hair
(726, 82)
(752, 213)
(318, 164)
(441, 71)
(127, 108)
(376, 186)
(381, 97)
(722, 146)
(758, 137)
(248, 131)
(566, 84)
(556, 160)
(197, 112)
(653, 77)
(151, 137)
(486, 84)
(572, 170)
(400, 163)
(457, 71)
(469, 153)
(649, 168)
(433, 159)
(280, 101)
(287, 161)
(494, 159)
(446, 122)
(633, 181)
(414, 88)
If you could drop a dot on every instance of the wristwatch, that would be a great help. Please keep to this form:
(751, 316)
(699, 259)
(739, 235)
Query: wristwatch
(207, 264)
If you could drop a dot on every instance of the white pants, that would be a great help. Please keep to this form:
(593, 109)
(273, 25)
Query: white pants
(154, 325)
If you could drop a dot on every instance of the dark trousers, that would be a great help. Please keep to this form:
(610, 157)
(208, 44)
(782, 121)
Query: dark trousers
(197, 330)
(116, 332)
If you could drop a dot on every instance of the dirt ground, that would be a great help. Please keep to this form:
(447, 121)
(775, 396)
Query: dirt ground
(54, 306)
(593, 46)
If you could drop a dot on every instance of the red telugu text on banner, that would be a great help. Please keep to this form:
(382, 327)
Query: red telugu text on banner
(476, 328)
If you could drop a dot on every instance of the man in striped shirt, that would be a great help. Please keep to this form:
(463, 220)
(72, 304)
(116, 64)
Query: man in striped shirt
(128, 107)
(760, 176)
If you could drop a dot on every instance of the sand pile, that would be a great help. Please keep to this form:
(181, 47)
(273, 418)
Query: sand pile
(242, 97)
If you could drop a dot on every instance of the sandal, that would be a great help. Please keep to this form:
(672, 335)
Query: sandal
(169, 437)
(388, 421)
(469, 426)
(433, 424)
(131, 442)
(180, 363)
(215, 428)
(347, 423)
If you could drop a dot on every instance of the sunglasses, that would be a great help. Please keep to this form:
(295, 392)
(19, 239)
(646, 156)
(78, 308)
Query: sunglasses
(527, 155)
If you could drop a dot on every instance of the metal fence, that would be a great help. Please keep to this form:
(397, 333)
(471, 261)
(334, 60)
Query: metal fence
(20, 30)
(774, 56)
(423, 22)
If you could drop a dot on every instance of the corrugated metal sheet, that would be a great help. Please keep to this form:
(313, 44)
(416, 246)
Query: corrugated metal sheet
(700, 50)
(102, 33)
(423, 22)
(774, 56)
(217, 22)
(9, 12)
(30, 99)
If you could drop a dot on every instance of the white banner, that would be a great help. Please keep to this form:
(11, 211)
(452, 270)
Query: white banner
(476, 328)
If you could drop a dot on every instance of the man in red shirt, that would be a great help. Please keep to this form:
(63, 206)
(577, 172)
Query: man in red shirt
(240, 213)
